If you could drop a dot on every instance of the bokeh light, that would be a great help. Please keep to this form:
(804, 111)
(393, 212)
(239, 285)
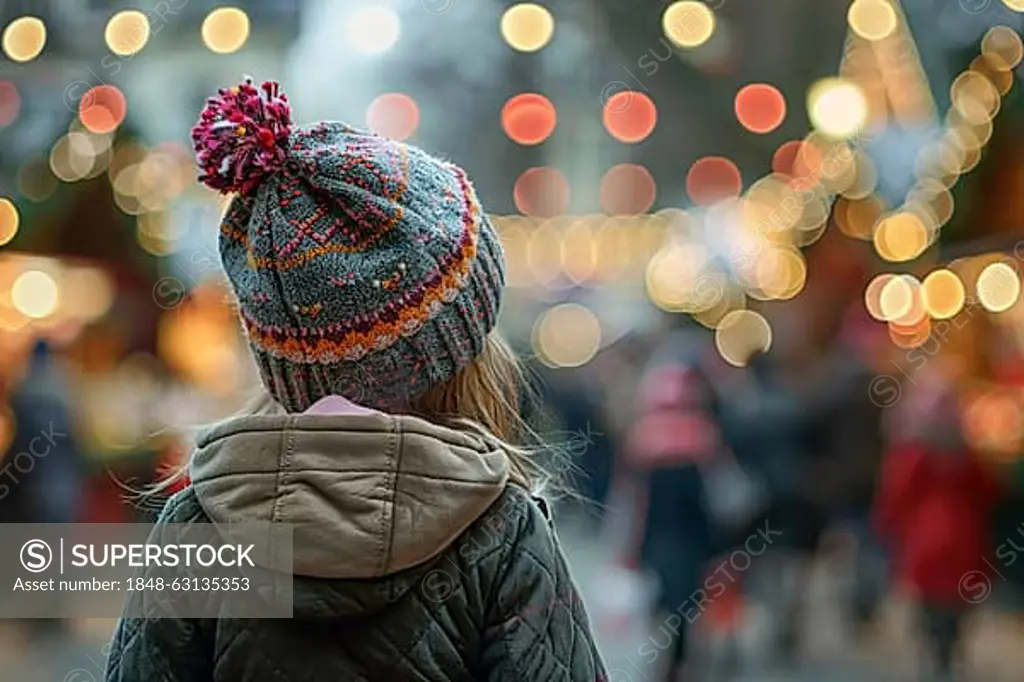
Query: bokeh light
(24, 39)
(225, 30)
(9, 220)
(35, 294)
(856, 218)
(797, 158)
(901, 237)
(394, 115)
(873, 296)
(675, 282)
(627, 189)
(10, 103)
(741, 334)
(944, 294)
(567, 335)
(837, 107)
(542, 191)
(630, 116)
(712, 179)
(1015, 5)
(688, 23)
(760, 108)
(527, 27)
(974, 97)
(1002, 46)
(780, 273)
(127, 32)
(993, 423)
(529, 118)
(102, 109)
(872, 19)
(998, 287)
(895, 299)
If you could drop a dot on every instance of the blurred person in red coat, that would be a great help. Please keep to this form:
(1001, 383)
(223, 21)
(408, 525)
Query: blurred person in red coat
(934, 507)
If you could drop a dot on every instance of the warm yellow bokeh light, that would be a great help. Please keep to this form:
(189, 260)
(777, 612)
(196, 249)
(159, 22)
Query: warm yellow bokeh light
(901, 237)
(688, 23)
(740, 335)
(34, 294)
(780, 273)
(974, 97)
(675, 283)
(127, 32)
(225, 30)
(527, 27)
(568, 335)
(24, 38)
(1015, 5)
(998, 287)
(837, 107)
(944, 294)
(896, 298)
(872, 19)
(1002, 46)
(9, 220)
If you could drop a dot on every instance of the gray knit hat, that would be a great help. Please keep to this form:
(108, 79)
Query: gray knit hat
(363, 267)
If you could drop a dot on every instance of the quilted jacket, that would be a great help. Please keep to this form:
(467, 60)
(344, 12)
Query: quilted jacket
(415, 558)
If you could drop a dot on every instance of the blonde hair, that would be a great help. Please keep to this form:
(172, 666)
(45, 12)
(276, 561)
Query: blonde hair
(485, 398)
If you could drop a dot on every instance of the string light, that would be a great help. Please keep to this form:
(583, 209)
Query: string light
(225, 30)
(24, 39)
(527, 27)
(688, 23)
(837, 107)
(740, 335)
(127, 32)
(9, 220)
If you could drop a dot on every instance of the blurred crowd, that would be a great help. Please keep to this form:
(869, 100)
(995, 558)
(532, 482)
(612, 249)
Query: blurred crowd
(721, 488)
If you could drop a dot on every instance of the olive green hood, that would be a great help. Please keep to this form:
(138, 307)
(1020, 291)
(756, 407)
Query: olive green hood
(367, 494)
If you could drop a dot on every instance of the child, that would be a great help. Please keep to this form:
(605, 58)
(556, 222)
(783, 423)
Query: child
(368, 281)
(933, 510)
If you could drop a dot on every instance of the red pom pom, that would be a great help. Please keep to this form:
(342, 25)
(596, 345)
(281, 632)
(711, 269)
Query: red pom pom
(242, 136)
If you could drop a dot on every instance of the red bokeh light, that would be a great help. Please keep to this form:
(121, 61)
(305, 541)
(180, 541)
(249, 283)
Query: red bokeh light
(630, 116)
(102, 109)
(627, 189)
(10, 103)
(712, 179)
(797, 159)
(529, 118)
(393, 115)
(542, 192)
(760, 108)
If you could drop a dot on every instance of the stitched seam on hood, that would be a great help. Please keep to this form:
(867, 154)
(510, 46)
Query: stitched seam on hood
(283, 463)
(388, 485)
(390, 549)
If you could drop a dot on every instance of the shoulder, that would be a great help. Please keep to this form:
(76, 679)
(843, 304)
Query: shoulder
(517, 522)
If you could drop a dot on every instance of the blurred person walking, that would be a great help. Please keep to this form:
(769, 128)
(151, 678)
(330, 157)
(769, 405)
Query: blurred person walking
(680, 463)
(43, 473)
(369, 280)
(934, 506)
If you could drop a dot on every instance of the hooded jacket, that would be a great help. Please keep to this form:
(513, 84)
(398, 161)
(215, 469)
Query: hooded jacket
(415, 558)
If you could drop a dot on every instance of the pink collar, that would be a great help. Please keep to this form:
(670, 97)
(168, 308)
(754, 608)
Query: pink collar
(336, 404)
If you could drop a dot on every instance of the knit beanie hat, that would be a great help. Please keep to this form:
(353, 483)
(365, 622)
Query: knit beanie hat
(363, 267)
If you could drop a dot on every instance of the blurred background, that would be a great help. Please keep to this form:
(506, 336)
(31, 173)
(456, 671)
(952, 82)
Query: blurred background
(764, 260)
